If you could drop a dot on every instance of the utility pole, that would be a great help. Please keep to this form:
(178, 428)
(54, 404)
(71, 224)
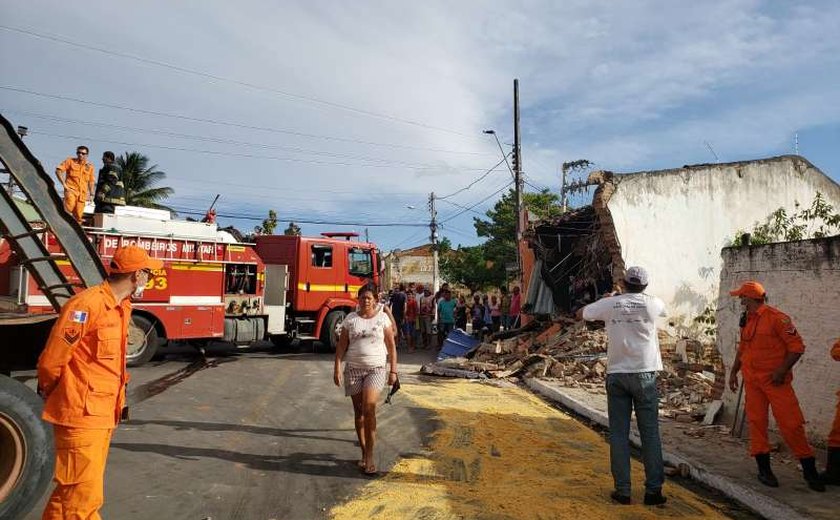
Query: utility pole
(433, 237)
(517, 165)
(563, 200)
(367, 235)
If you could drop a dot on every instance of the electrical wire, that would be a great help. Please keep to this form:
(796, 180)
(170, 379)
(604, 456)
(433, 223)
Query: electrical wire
(193, 211)
(216, 77)
(459, 232)
(538, 188)
(237, 154)
(195, 137)
(464, 207)
(473, 183)
(182, 117)
(477, 203)
(410, 239)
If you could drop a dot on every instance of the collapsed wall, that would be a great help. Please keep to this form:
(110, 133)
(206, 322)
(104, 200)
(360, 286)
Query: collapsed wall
(675, 222)
(802, 279)
(579, 251)
(672, 222)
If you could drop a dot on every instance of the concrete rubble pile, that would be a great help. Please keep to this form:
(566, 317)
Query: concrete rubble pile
(575, 355)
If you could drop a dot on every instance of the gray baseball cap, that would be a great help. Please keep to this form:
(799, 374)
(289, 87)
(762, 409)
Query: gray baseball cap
(636, 275)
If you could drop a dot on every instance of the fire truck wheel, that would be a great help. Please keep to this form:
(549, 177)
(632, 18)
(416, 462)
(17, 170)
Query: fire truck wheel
(142, 341)
(26, 449)
(329, 332)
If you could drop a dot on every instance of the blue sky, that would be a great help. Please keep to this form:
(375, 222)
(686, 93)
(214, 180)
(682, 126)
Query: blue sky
(351, 112)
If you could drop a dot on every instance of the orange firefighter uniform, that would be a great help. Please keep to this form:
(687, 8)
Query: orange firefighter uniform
(766, 338)
(834, 436)
(82, 375)
(78, 179)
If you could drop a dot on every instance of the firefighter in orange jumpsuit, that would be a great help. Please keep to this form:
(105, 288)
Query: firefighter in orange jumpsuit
(832, 466)
(769, 347)
(82, 377)
(76, 175)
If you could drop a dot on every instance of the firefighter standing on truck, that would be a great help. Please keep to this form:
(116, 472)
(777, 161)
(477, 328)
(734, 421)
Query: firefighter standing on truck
(110, 190)
(82, 377)
(769, 347)
(76, 175)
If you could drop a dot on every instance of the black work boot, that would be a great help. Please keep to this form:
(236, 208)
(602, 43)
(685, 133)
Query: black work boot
(655, 499)
(831, 475)
(765, 474)
(624, 500)
(809, 471)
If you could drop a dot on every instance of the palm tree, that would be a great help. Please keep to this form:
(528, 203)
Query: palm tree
(139, 180)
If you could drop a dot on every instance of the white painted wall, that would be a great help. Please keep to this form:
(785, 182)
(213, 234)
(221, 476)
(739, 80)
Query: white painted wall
(675, 222)
(802, 279)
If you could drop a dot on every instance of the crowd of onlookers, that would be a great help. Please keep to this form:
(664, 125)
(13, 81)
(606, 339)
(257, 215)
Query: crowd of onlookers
(424, 319)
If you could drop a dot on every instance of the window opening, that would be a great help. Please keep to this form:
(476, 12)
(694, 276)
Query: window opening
(360, 262)
(322, 256)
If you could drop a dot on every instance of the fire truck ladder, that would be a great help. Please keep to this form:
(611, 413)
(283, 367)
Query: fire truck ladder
(37, 186)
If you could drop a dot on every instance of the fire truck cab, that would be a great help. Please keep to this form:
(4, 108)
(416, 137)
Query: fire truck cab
(325, 274)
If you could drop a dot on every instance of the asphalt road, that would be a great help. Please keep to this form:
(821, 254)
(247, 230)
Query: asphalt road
(258, 434)
(251, 434)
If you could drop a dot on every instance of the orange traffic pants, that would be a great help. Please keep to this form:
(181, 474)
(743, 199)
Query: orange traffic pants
(80, 455)
(74, 203)
(760, 392)
(834, 436)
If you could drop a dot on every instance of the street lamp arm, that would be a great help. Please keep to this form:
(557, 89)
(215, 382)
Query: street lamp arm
(502, 150)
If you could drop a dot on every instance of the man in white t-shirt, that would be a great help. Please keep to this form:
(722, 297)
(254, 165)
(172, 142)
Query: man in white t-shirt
(633, 359)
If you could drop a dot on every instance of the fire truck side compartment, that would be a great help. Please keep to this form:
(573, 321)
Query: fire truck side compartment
(274, 300)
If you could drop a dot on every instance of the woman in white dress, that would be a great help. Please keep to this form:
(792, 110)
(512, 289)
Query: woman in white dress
(367, 348)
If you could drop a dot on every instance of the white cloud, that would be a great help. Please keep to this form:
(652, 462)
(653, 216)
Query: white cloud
(627, 85)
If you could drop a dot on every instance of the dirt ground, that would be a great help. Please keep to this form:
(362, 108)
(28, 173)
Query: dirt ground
(728, 456)
(502, 453)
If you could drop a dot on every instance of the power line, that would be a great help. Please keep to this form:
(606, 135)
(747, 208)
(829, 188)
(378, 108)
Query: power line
(216, 77)
(459, 232)
(233, 124)
(538, 188)
(239, 154)
(477, 203)
(410, 239)
(463, 207)
(58, 119)
(193, 211)
(473, 183)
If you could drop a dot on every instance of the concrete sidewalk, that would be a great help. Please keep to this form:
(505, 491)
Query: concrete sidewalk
(715, 459)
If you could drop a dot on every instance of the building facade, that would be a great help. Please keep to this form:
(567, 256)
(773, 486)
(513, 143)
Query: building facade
(410, 265)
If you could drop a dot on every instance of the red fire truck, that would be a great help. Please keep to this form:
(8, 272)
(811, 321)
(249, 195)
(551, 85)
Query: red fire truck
(325, 274)
(212, 287)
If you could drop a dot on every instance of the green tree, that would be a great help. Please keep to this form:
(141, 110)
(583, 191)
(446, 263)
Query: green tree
(268, 224)
(500, 228)
(467, 266)
(292, 230)
(485, 265)
(140, 181)
(817, 221)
